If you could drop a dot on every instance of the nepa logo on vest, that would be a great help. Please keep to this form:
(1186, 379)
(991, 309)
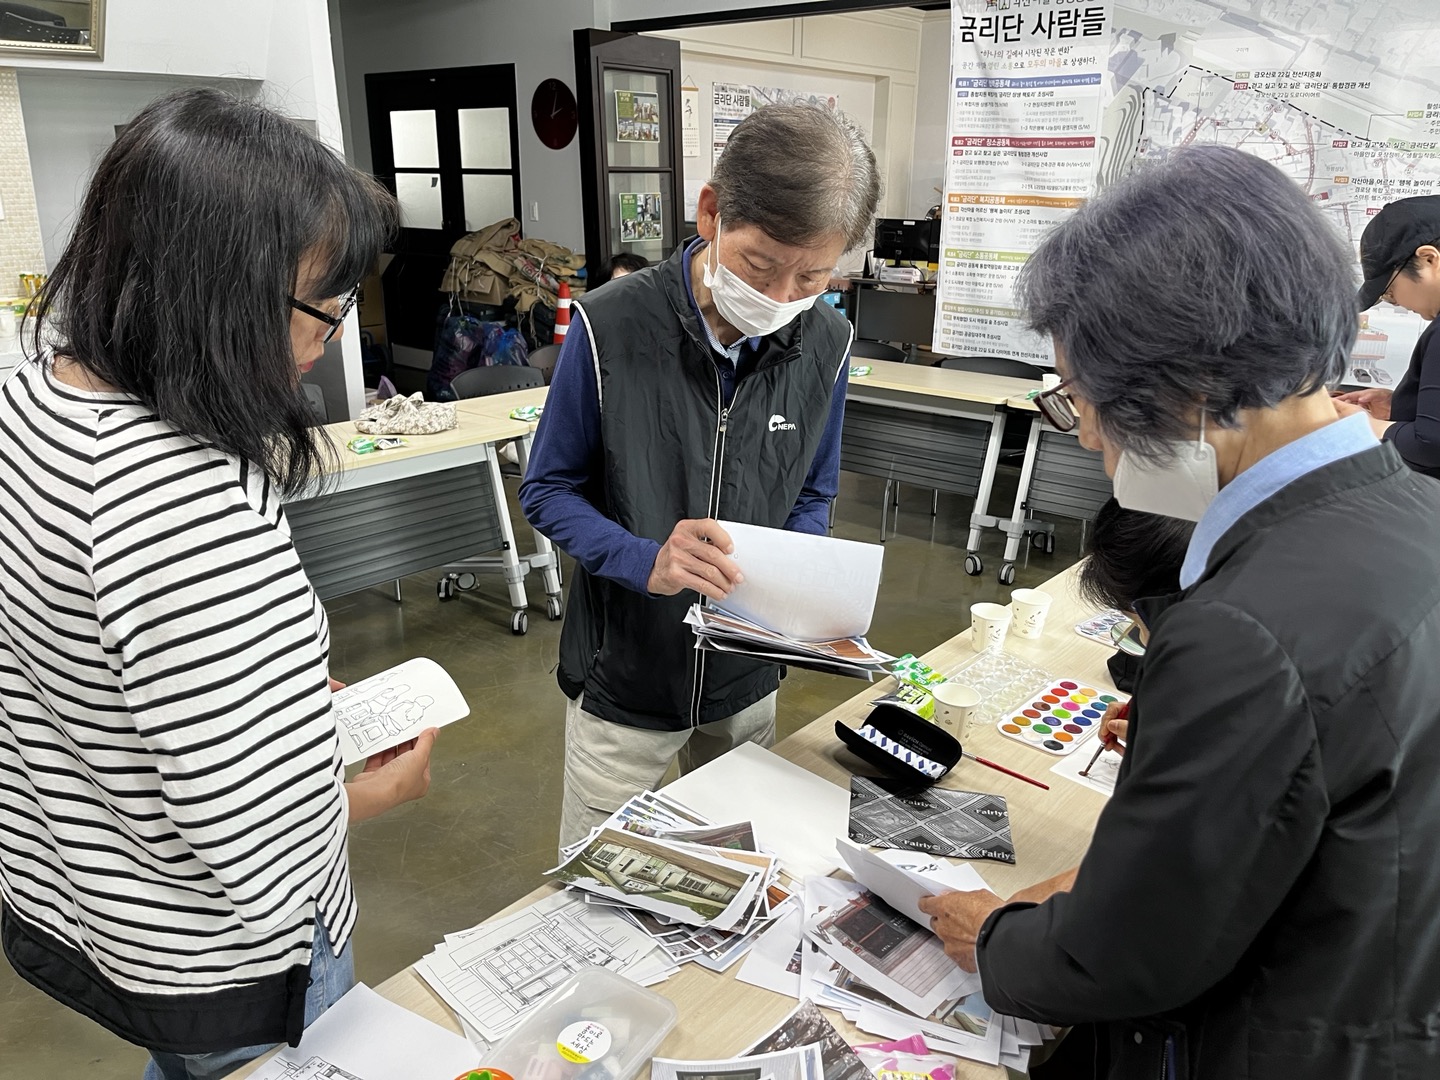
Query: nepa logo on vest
(779, 423)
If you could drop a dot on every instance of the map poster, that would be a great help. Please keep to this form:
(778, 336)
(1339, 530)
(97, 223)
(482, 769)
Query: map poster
(1026, 97)
(1343, 96)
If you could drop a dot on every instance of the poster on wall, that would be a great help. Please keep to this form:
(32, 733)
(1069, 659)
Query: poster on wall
(1344, 97)
(637, 116)
(1024, 131)
(640, 217)
(690, 121)
(730, 103)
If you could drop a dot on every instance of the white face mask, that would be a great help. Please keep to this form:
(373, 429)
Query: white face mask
(1182, 487)
(747, 309)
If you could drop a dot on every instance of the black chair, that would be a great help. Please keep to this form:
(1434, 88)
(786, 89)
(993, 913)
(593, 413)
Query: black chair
(543, 360)
(18, 28)
(994, 365)
(877, 350)
(498, 379)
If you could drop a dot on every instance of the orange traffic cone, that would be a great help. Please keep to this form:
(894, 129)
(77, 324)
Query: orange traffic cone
(562, 313)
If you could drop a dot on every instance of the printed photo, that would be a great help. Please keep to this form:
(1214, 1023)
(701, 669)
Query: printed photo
(637, 116)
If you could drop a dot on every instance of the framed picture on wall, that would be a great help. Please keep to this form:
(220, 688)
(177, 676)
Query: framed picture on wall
(53, 27)
(640, 217)
(637, 116)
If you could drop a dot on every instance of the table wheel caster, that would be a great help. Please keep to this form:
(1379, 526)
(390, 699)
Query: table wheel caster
(1007, 574)
(445, 588)
(553, 610)
(973, 565)
(519, 623)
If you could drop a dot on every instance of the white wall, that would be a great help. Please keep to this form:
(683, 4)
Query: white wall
(932, 95)
(278, 50)
(383, 35)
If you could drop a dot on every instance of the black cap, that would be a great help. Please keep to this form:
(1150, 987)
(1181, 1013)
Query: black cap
(1390, 240)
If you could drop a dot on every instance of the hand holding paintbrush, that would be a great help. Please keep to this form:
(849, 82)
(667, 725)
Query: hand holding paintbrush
(1109, 738)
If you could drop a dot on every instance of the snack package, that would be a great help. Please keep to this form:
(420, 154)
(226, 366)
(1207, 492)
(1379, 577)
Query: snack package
(527, 413)
(859, 371)
(370, 444)
(910, 697)
(911, 669)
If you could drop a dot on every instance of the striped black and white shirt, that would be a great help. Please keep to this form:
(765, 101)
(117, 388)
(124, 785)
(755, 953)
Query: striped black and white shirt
(171, 793)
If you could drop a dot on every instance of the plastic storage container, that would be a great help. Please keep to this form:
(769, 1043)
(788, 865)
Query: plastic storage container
(597, 1026)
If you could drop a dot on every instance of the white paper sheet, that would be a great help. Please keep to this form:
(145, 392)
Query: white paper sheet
(395, 705)
(371, 1038)
(1102, 775)
(812, 588)
(796, 814)
(901, 882)
(774, 961)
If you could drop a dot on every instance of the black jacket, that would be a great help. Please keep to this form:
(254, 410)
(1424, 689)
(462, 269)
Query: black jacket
(1263, 889)
(1415, 407)
(672, 451)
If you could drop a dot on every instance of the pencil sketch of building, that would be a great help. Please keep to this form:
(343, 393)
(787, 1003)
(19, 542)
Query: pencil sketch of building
(314, 1068)
(522, 969)
(389, 711)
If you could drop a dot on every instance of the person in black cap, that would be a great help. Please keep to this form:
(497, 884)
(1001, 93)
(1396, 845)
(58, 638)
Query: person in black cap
(1400, 257)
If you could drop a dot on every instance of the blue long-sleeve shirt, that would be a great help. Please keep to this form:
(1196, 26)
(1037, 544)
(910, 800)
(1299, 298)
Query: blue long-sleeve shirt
(567, 454)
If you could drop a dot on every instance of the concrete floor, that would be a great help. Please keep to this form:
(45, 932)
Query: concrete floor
(486, 832)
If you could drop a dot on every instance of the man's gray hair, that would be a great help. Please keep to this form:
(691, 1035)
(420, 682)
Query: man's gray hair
(800, 174)
(1206, 280)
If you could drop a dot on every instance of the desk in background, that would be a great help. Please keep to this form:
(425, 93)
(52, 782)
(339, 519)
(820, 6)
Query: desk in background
(720, 1016)
(933, 427)
(396, 512)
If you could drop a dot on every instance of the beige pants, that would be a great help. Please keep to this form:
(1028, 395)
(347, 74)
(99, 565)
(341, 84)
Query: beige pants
(606, 764)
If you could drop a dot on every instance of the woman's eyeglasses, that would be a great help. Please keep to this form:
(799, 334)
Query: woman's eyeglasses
(333, 321)
(1057, 408)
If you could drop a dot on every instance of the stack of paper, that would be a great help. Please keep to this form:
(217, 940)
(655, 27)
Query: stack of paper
(702, 892)
(806, 600)
(718, 630)
(866, 950)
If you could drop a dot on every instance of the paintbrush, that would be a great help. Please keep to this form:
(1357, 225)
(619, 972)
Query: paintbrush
(1002, 768)
(1108, 740)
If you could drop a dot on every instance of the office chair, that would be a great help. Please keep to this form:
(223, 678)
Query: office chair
(860, 348)
(543, 360)
(994, 365)
(498, 379)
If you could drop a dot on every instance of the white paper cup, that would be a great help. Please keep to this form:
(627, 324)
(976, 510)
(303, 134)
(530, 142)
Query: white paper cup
(955, 705)
(988, 625)
(1031, 606)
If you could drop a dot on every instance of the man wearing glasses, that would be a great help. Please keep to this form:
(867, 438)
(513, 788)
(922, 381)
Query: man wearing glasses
(1400, 256)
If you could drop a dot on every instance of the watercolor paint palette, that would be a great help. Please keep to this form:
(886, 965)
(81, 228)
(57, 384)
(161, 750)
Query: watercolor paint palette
(1059, 719)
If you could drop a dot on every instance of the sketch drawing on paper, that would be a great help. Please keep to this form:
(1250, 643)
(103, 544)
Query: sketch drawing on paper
(538, 955)
(314, 1068)
(386, 712)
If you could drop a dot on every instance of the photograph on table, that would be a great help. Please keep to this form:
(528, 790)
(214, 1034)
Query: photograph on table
(663, 878)
(794, 1063)
(805, 1026)
(890, 954)
(958, 824)
(637, 116)
(640, 217)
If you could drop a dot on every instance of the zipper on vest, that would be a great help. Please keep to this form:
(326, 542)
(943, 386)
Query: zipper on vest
(717, 470)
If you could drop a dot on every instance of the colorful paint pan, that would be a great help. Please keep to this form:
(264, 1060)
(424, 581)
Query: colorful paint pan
(1060, 719)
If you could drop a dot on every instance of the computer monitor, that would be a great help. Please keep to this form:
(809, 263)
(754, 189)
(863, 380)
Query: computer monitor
(908, 240)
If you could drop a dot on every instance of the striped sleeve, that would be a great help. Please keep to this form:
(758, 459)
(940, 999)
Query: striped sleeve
(213, 632)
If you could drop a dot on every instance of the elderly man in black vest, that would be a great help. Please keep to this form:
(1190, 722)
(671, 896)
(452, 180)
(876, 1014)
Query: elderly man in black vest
(709, 386)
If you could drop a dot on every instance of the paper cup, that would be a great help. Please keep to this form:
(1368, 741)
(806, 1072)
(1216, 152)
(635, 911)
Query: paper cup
(1031, 607)
(955, 705)
(988, 624)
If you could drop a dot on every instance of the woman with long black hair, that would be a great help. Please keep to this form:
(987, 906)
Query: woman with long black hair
(173, 809)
